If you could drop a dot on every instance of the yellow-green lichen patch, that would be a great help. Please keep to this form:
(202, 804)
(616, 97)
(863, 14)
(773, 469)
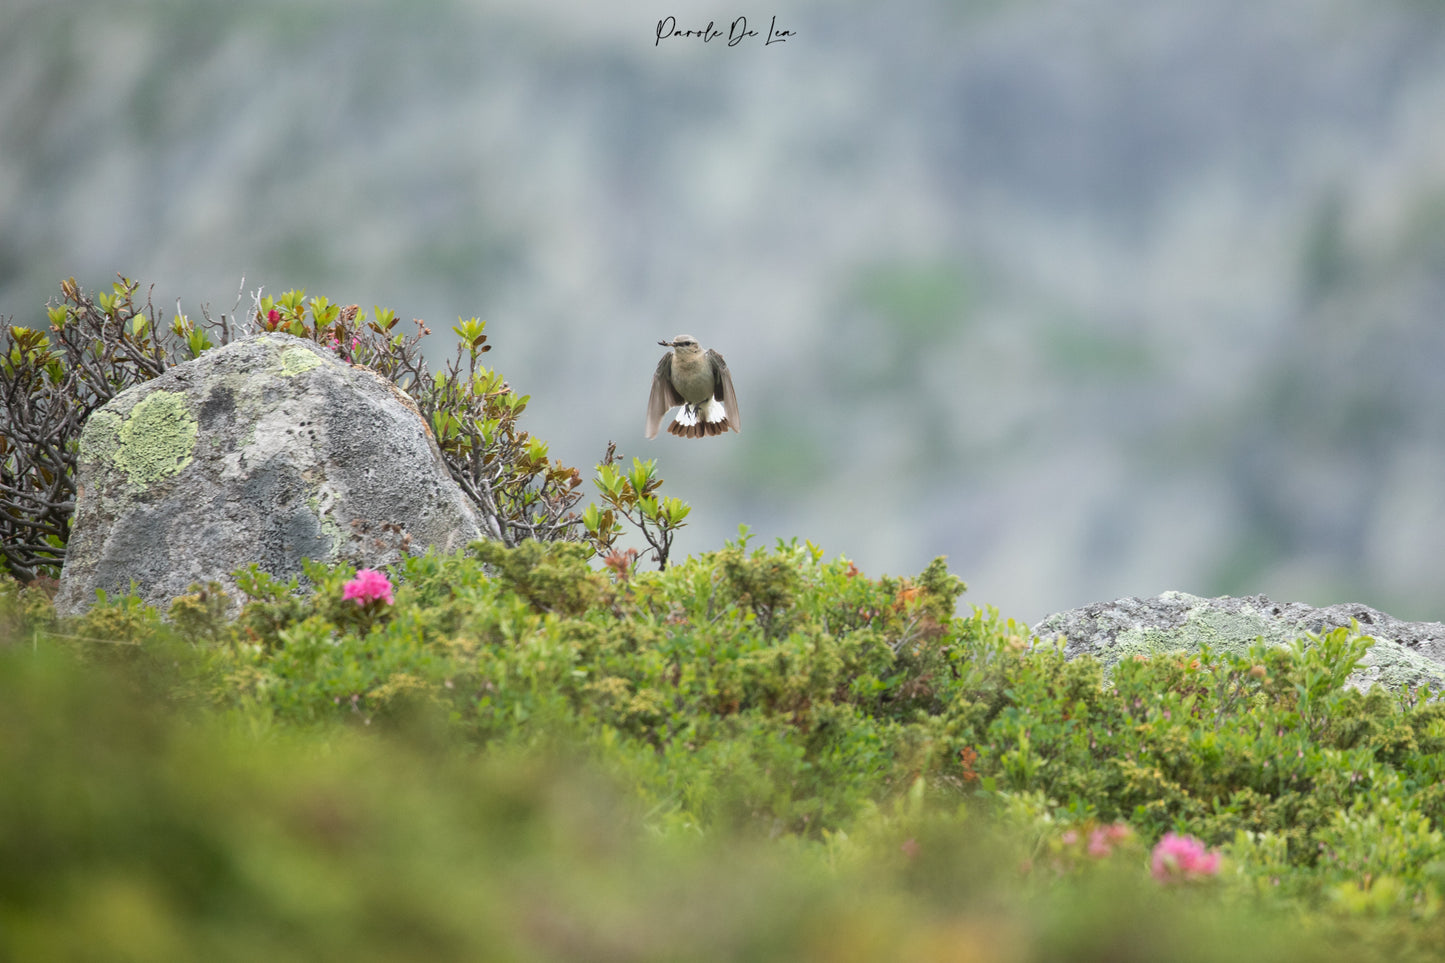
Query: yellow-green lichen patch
(1226, 632)
(1234, 633)
(101, 436)
(156, 439)
(1396, 666)
(296, 359)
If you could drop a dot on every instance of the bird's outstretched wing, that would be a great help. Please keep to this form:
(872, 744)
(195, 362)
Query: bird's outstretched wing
(723, 390)
(663, 397)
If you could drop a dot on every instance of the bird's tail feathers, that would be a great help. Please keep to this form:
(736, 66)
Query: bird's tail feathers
(700, 421)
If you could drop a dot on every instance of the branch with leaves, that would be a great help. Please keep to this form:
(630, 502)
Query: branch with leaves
(97, 347)
(632, 496)
(50, 382)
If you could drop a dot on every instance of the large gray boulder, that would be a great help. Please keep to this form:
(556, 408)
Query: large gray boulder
(266, 450)
(1405, 653)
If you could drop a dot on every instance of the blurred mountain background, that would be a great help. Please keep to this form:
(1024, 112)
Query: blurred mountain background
(1096, 298)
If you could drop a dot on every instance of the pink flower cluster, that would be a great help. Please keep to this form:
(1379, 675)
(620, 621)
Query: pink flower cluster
(368, 586)
(1102, 839)
(1179, 858)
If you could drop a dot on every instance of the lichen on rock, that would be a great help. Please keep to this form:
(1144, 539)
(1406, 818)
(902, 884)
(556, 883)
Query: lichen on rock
(156, 440)
(296, 359)
(1406, 654)
(265, 451)
(101, 436)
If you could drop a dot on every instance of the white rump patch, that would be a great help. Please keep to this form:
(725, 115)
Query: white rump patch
(710, 411)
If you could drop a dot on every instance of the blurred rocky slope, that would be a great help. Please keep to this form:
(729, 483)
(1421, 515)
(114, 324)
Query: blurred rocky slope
(1098, 299)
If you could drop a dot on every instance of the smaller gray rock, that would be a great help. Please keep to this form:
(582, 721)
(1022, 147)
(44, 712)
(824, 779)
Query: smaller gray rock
(267, 450)
(1405, 653)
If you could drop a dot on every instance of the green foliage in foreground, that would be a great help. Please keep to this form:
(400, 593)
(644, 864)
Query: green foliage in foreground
(751, 755)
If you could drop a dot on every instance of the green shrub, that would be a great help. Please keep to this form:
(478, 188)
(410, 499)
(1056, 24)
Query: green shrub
(95, 347)
(747, 695)
(133, 830)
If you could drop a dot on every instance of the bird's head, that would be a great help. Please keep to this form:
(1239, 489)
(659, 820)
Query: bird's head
(684, 343)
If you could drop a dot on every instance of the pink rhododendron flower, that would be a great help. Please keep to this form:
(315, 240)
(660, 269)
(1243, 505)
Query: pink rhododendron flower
(1179, 858)
(1117, 832)
(368, 586)
(1103, 839)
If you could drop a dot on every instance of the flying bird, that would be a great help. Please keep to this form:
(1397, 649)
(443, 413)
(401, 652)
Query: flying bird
(697, 380)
